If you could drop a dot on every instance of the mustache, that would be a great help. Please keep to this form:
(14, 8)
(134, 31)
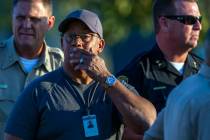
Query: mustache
(26, 31)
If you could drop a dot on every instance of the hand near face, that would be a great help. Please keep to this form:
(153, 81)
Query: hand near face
(89, 62)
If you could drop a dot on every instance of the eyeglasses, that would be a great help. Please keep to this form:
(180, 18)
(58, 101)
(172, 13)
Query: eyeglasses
(185, 19)
(84, 37)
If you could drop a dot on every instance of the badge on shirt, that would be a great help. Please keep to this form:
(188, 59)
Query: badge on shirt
(90, 125)
(159, 88)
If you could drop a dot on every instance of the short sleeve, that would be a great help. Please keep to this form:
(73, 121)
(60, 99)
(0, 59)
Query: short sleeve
(23, 119)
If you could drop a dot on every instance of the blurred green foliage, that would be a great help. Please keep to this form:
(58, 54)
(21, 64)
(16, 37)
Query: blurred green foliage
(118, 17)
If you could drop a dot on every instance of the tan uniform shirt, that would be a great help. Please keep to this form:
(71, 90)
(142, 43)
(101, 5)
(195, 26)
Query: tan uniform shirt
(13, 79)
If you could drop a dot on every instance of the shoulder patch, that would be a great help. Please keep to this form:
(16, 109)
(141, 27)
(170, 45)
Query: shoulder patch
(57, 51)
(123, 79)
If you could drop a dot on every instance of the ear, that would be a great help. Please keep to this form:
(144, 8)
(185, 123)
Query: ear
(163, 22)
(51, 22)
(101, 45)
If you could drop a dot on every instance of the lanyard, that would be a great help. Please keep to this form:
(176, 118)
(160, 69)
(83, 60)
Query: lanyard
(81, 99)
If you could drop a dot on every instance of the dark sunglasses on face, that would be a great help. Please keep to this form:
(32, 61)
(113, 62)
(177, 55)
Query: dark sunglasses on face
(185, 19)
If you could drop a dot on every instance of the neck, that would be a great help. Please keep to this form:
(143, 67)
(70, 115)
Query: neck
(175, 56)
(173, 52)
(29, 52)
(78, 76)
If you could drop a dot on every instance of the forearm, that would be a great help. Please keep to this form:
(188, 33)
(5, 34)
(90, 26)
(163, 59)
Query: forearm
(138, 113)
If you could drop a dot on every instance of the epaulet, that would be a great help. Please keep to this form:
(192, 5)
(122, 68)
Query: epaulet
(56, 51)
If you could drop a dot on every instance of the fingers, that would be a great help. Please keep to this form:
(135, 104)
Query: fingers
(80, 58)
(81, 51)
(87, 61)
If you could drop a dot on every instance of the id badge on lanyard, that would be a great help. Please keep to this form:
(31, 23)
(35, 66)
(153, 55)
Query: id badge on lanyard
(89, 121)
(90, 125)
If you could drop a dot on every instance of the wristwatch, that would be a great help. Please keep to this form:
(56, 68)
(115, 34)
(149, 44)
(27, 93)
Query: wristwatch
(110, 81)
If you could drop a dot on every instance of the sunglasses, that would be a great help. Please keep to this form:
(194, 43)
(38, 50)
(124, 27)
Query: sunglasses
(185, 19)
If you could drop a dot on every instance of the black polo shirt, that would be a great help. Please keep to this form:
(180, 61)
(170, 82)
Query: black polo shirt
(154, 77)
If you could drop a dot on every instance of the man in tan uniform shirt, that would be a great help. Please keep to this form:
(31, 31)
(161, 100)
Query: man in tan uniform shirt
(25, 55)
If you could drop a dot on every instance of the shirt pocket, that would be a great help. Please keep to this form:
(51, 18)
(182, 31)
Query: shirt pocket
(6, 102)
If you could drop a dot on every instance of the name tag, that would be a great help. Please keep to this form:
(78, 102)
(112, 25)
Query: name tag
(90, 125)
(159, 88)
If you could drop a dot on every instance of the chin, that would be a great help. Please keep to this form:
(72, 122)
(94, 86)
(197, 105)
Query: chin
(192, 44)
(25, 44)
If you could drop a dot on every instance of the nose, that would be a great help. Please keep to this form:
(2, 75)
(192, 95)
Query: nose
(27, 23)
(77, 42)
(197, 25)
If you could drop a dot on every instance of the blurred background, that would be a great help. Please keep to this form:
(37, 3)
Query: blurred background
(128, 28)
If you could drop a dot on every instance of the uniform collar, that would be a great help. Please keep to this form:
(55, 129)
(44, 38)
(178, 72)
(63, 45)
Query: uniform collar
(157, 58)
(192, 63)
(45, 58)
(161, 63)
(12, 57)
(205, 70)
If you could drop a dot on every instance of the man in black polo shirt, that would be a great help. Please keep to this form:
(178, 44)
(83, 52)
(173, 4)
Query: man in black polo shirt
(155, 73)
(81, 100)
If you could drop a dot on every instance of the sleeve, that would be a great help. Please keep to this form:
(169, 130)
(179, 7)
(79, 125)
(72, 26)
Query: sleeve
(156, 132)
(23, 119)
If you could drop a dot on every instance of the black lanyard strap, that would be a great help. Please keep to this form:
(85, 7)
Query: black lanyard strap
(80, 98)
